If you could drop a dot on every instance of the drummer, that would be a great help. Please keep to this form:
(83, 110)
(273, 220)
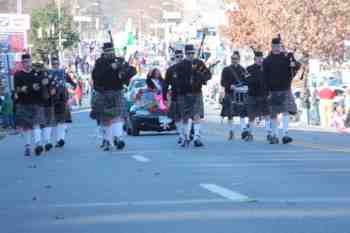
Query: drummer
(233, 80)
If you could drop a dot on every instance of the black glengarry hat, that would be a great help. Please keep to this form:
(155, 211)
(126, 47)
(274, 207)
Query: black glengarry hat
(189, 48)
(26, 56)
(276, 41)
(108, 46)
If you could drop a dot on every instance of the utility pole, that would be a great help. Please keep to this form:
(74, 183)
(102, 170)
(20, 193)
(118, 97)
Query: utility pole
(60, 55)
(19, 7)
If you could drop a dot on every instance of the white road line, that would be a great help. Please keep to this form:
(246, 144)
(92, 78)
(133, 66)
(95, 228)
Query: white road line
(231, 195)
(141, 158)
(81, 111)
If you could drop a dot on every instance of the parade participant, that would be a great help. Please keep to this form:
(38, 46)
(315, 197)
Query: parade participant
(58, 80)
(29, 105)
(234, 76)
(48, 91)
(174, 109)
(191, 75)
(279, 70)
(257, 103)
(109, 75)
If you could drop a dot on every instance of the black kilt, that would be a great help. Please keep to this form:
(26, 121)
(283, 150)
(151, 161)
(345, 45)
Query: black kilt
(258, 106)
(93, 112)
(190, 105)
(62, 113)
(110, 105)
(230, 108)
(281, 102)
(28, 116)
(174, 111)
(49, 117)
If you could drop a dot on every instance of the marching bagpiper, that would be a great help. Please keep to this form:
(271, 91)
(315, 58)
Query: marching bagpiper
(192, 74)
(109, 75)
(29, 104)
(233, 79)
(279, 70)
(174, 110)
(58, 85)
(257, 102)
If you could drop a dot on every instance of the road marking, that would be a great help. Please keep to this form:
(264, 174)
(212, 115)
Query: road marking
(256, 213)
(231, 195)
(81, 111)
(141, 158)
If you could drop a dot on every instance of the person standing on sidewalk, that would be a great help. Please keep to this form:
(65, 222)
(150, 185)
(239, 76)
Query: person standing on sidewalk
(327, 96)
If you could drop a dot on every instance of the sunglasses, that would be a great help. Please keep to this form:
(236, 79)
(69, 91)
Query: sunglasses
(179, 56)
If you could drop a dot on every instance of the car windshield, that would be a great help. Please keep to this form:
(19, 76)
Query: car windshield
(136, 84)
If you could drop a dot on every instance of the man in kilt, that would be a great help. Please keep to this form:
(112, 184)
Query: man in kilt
(257, 102)
(62, 114)
(192, 74)
(279, 70)
(48, 105)
(29, 105)
(232, 77)
(109, 75)
(174, 110)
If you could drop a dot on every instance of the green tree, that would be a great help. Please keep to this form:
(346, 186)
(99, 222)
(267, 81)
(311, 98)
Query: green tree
(44, 34)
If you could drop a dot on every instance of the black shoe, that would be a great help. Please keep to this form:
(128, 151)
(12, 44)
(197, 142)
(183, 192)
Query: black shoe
(27, 152)
(104, 143)
(107, 146)
(186, 143)
(274, 140)
(231, 135)
(120, 145)
(244, 135)
(48, 147)
(60, 143)
(115, 141)
(180, 140)
(287, 140)
(39, 150)
(198, 143)
(269, 137)
(249, 137)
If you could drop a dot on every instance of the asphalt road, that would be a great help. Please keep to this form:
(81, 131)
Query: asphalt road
(153, 186)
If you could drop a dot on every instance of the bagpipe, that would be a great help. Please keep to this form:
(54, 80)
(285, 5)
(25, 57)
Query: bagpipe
(125, 70)
(294, 64)
(199, 65)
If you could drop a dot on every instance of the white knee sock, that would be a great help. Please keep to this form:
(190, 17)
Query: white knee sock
(47, 134)
(61, 132)
(197, 130)
(274, 127)
(37, 135)
(117, 129)
(28, 137)
(108, 134)
(187, 129)
(268, 126)
(180, 129)
(250, 126)
(242, 123)
(285, 124)
(231, 125)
